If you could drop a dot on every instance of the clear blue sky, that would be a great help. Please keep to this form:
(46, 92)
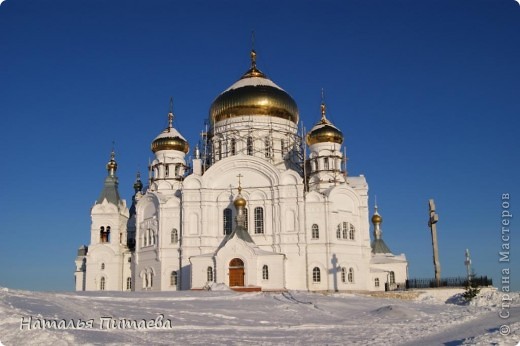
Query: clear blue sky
(426, 92)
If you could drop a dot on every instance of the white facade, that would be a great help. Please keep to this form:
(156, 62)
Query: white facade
(254, 210)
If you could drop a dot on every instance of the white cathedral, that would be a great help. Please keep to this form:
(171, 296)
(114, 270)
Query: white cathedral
(254, 211)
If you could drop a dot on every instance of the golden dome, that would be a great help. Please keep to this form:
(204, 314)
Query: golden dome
(112, 164)
(170, 143)
(170, 139)
(254, 95)
(240, 202)
(324, 131)
(376, 218)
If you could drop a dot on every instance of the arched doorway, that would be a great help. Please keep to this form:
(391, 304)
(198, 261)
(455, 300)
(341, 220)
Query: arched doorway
(236, 272)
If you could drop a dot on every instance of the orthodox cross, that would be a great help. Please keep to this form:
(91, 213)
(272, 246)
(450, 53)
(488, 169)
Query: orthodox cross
(239, 184)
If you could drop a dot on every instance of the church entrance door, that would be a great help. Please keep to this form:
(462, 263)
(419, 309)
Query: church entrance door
(236, 272)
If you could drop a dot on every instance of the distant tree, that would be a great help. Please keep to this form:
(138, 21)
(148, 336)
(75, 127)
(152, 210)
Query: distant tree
(472, 289)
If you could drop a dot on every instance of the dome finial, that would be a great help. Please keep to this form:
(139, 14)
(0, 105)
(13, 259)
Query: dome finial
(170, 114)
(138, 185)
(239, 183)
(253, 53)
(112, 164)
(323, 107)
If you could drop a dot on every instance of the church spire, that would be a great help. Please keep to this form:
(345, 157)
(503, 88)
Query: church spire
(112, 164)
(377, 220)
(138, 185)
(110, 191)
(378, 245)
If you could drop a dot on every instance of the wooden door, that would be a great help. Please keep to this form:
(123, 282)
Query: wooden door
(236, 272)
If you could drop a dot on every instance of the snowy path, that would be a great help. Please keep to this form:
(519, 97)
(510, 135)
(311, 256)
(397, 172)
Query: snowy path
(224, 317)
(486, 327)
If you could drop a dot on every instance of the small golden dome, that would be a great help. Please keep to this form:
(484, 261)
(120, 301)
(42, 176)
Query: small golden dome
(170, 143)
(324, 131)
(240, 202)
(112, 164)
(170, 139)
(376, 218)
(254, 95)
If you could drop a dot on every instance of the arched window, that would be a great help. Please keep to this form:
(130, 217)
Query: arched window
(345, 230)
(259, 220)
(376, 282)
(233, 146)
(167, 170)
(249, 145)
(343, 274)
(265, 272)
(326, 163)
(315, 232)
(316, 275)
(150, 241)
(227, 221)
(338, 231)
(267, 147)
(350, 275)
(174, 236)
(352, 232)
(210, 274)
(102, 284)
(173, 279)
(102, 266)
(129, 283)
(392, 278)
(283, 147)
(102, 234)
(151, 279)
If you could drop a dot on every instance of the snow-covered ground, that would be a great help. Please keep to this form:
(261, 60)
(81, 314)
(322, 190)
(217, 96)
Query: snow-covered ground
(429, 317)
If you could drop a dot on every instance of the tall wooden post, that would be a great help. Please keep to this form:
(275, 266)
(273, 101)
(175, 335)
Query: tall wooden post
(432, 223)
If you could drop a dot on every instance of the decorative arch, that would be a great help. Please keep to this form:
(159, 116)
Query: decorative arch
(217, 176)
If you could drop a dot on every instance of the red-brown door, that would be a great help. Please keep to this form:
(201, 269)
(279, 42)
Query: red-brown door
(236, 272)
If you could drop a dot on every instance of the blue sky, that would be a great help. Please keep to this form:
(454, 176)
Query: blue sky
(426, 92)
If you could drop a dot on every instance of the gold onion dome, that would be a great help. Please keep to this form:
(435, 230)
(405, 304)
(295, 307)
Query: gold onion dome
(324, 131)
(170, 139)
(376, 218)
(112, 164)
(240, 202)
(254, 95)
